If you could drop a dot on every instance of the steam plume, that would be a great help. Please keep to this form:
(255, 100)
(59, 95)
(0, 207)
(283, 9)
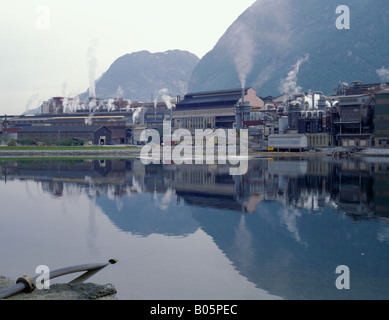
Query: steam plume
(136, 114)
(155, 103)
(89, 120)
(92, 105)
(119, 92)
(92, 64)
(75, 104)
(242, 49)
(66, 104)
(31, 101)
(289, 84)
(166, 98)
(128, 108)
(110, 105)
(383, 73)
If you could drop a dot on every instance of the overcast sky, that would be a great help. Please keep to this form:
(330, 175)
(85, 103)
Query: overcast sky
(44, 44)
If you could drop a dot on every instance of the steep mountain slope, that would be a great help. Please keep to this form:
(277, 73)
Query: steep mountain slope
(277, 46)
(141, 75)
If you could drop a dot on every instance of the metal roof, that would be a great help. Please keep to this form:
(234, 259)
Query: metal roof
(288, 135)
(221, 96)
(385, 91)
(56, 129)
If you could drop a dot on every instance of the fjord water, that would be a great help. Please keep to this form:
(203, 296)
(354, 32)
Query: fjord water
(195, 232)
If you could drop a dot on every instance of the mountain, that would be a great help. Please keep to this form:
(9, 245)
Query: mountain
(140, 76)
(279, 46)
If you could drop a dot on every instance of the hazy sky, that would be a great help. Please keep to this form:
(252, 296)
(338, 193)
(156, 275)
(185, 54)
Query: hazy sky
(44, 44)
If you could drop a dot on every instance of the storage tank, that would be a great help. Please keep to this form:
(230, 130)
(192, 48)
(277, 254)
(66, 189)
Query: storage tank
(288, 142)
(282, 125)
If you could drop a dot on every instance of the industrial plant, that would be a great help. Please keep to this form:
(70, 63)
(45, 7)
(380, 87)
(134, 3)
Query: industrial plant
(355, 116)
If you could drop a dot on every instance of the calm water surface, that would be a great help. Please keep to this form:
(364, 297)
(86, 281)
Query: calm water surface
(195, 232)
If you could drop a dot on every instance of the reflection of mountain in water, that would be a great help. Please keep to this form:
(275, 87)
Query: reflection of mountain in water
(285, 226)
(142, 215)
(263, 249)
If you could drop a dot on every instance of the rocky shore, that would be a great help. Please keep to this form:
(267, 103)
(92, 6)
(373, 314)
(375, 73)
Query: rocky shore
(77, 291)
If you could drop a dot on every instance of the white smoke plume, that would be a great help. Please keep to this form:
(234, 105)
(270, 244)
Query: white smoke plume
(155, 103)
(75, 104)
(66, 105)
(110, 105)
(119, 92)
(289, 84)
(92, 64)
(128, 107)
(136, 114)
(242, 49)
(166, 98)
(92, 105)
(64, 89)
(383, 73)
(89, 120)
(31, 100)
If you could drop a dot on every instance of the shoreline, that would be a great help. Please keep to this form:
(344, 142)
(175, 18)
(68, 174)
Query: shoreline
(134, 152)
(71, 153)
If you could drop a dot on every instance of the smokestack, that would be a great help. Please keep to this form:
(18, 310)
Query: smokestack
(243, 95)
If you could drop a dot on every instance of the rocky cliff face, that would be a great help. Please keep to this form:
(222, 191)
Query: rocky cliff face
(279, 46)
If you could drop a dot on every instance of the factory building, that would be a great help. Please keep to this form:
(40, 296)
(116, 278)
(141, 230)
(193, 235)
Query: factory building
(353, 121)
(382, 118)
(316, 126)
(115, 122)
(213, 109)
(364, 88)
(310, 117)
(97, 135)
(154, 114)
(357, 116)
(53, 106)
(62, 105)
(121, 118)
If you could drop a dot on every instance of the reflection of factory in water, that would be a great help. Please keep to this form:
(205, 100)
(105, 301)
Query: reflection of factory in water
(357, 188)
(282, 226)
